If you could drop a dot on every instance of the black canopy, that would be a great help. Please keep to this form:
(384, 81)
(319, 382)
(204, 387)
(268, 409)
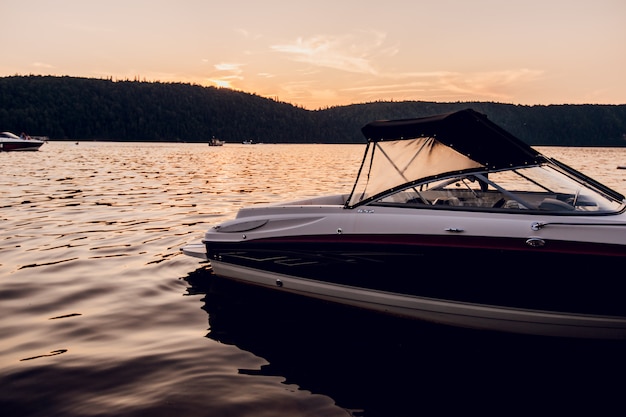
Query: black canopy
(467, 131)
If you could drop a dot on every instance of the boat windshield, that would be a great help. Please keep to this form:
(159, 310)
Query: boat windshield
(388, 165)
(544, 188)
(8, 135)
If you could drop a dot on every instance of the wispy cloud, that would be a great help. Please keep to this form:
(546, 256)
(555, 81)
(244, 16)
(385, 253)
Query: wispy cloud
(244, 33)
(351, 53)
(42, 65)
(368, 55)
(490, 85)
(226, 73)
(229, 66)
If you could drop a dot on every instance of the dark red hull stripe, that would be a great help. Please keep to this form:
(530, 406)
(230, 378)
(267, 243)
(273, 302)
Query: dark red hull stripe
(460, 242)
(18, 146)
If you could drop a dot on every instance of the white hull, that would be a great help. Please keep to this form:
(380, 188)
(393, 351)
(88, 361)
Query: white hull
(12, 143)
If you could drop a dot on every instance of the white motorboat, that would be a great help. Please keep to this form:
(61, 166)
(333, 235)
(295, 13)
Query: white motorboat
(11, 142)
(451, 220)
(216, 142)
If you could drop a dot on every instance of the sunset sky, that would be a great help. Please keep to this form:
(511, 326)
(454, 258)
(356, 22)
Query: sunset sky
(322, 53)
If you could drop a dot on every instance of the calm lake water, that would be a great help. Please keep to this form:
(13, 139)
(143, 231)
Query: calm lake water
(101, 315)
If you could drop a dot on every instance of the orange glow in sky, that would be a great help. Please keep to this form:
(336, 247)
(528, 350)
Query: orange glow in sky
(323, 53)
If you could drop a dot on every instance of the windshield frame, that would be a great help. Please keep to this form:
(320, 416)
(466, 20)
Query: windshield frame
(403, 153)
(538, 189)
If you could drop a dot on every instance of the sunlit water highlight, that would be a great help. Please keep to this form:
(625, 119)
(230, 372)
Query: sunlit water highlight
(100, 314)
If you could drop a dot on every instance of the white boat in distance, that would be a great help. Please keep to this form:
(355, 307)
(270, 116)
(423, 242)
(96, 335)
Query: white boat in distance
(11, 142)
(451, 220)
(216, 142)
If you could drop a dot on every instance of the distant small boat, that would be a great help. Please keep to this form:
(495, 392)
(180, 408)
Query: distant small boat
(248, 142)
(216, 142)
(11, 142)
(621, 167)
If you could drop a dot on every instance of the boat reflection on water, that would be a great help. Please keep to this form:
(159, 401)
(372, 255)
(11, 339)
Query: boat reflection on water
(372, 364)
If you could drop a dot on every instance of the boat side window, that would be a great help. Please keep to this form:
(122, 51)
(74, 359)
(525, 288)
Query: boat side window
(458, 191)
(536, 188)
(545, 188)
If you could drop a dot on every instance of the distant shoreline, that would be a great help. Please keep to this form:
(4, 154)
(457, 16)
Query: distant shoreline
(63, 108)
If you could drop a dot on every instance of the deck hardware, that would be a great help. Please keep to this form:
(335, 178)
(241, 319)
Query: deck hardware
(535, 242)
(454, 230)
(339, 231)
(244, 237)
(279, 283)
(537, 225)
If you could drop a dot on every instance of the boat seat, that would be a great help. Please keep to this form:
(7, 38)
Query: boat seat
(552, 204)
(512, 204)
(448, 201)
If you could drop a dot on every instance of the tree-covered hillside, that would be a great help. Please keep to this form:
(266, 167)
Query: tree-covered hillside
(83, 108)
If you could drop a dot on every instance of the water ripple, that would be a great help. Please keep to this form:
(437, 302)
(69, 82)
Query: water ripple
(102, 315)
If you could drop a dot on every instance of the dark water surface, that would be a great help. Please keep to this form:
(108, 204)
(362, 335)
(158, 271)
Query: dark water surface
(101, 315)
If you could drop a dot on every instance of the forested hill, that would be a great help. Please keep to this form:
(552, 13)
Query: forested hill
(97, 109)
